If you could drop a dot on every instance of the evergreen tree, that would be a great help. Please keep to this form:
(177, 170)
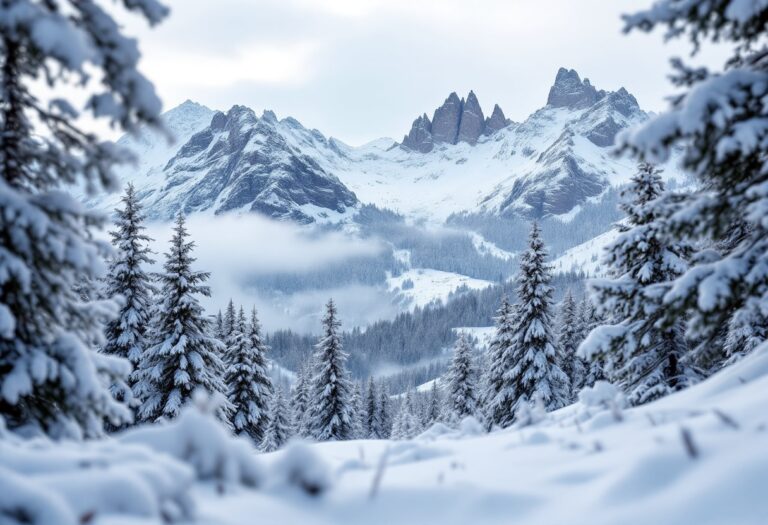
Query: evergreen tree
(247, 378)
(718, 119)
(372, 421)
(385, 412)
(126, 335)
(358, 411)
(433, 412)
(51, 380)
(278, 427)
(588, 320)
(219, 327)
(462, 381)
(182, 356)
(640, 354)
(406, 425)
(535, 376)
(300, 402)
(499, 392)
(746, 329)
(229, 322)
(573, 365)
(330, 415)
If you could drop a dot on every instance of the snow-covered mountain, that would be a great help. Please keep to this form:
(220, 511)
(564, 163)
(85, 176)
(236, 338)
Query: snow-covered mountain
(457, 162)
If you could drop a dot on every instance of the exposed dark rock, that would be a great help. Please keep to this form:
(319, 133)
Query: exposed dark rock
(445, 122)
(472, 122)
(420, 136)
(571, 92)
(496, 121)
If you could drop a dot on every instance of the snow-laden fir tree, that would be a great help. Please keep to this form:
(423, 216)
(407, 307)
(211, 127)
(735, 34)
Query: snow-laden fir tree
(51, 380)
(719, 120)
(372, 421)
(300, 401)
(358, 411)
(278, 429)
(535, 375)
(126, 335)
(229, 321)
(588, 319)
(182, 356)
(218, 327)
(499, 389)
(247, 378)
(640, 354)
(384, 412)
(433, 413)
(568, 340)
(747, 328)
(406, 424)
(330, 412)
(461, 380)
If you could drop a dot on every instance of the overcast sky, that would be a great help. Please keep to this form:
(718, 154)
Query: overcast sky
(362, 69)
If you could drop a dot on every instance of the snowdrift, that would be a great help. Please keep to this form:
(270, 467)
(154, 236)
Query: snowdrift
(697, 457)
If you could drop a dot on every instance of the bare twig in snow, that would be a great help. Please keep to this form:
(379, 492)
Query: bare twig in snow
(688, 443)
(726, 419)
(379, 474)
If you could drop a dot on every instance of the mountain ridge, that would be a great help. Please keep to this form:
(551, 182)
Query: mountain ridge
(459, 161)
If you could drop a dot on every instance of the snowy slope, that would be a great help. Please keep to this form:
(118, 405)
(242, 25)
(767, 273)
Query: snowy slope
(699, 457)
(152, 150)
(585, 257)
(425, 285)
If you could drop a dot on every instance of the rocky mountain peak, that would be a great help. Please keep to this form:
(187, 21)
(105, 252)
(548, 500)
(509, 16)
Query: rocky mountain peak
(572, 92)
(446, 120)
(456, 120)
(472, 122)
(496, 121)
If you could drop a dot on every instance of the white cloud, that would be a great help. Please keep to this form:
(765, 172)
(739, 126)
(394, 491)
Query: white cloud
(233, 248)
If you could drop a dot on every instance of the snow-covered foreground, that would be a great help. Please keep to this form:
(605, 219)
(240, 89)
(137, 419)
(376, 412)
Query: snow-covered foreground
(697, 457)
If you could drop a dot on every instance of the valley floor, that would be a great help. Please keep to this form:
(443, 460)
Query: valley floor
(697, 457)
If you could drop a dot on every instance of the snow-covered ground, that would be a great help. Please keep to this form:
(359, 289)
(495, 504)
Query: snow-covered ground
(421, 286)
(483, 334)
(698, 457)
(585, 257)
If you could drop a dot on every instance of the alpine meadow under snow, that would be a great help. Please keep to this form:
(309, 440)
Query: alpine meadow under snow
(559, 320)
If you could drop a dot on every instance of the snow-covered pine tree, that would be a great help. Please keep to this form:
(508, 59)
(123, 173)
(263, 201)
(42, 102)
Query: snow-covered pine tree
(51, 380)
(587, 320)
(229, 322)
(568, 340)
(461, 380)
(218, 328)
(640, 355)
(358, 411)
(435, 402)
(300, 401)
(406, 425)
(372, 418)
(385, 411)
(330, 413)
(126, 335)
(247, 378)
(499, 394)
(719, 119)
(536, 376)
(278, 429)
(182, 356)
(747, 328)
